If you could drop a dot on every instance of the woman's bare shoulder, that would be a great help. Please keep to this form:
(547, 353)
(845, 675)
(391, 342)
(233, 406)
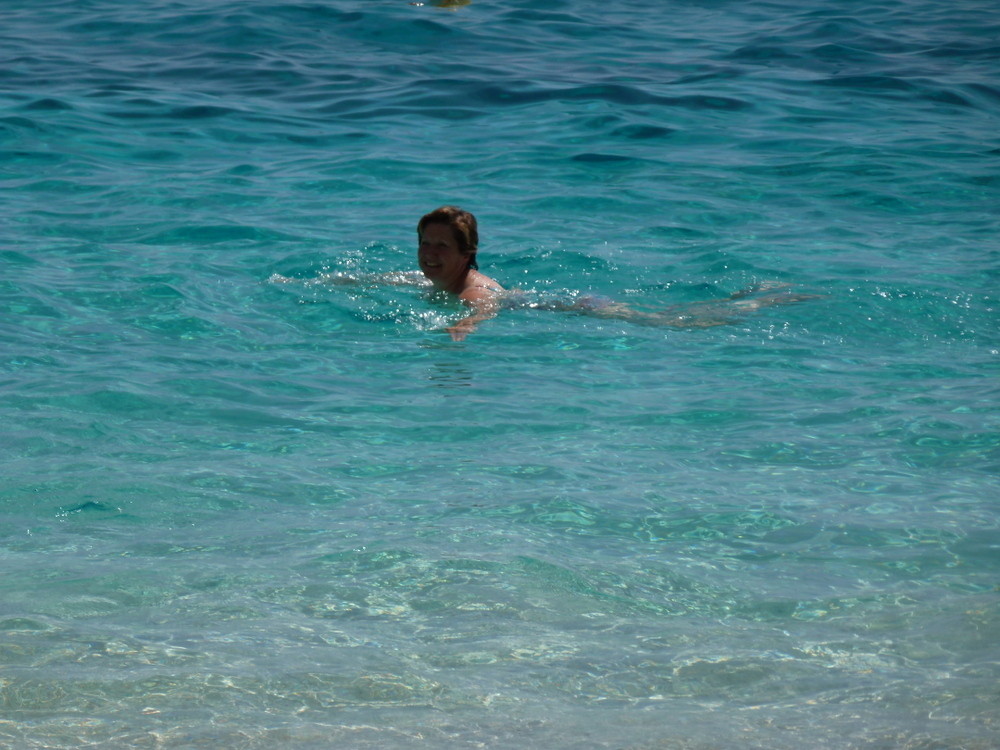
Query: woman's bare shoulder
(478, 280)
(481, 290)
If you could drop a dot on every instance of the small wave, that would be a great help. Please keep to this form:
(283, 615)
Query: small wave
(446, 93)
(22, 156)
(889, 85)
(19, 123)
(218, 233)
(598, 158)
(47, 103)
(643, 132)
(200, 112)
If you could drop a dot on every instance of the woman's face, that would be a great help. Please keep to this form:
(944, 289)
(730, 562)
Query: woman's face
(439, 258)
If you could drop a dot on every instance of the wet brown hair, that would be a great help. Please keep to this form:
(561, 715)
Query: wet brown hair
(463, 226)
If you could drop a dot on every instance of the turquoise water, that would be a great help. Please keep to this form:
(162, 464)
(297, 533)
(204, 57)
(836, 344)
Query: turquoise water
(244, 514)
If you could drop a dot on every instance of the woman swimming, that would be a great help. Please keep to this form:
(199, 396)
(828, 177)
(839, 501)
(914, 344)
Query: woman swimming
(448, 241)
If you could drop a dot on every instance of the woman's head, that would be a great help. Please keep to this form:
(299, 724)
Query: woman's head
(462, 224)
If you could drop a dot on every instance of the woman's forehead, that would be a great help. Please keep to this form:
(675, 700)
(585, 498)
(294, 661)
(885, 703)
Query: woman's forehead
(438, 229)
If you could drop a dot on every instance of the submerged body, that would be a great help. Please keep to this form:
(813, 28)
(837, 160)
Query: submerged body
(706, 314)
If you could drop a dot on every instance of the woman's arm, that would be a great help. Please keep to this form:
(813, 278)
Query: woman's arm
(484, 303)
(341, 278)
(392, 278)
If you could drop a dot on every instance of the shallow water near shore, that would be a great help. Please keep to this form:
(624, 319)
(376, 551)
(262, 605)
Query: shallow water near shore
(240, 513)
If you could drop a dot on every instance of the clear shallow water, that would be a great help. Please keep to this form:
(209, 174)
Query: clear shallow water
(242, 514)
